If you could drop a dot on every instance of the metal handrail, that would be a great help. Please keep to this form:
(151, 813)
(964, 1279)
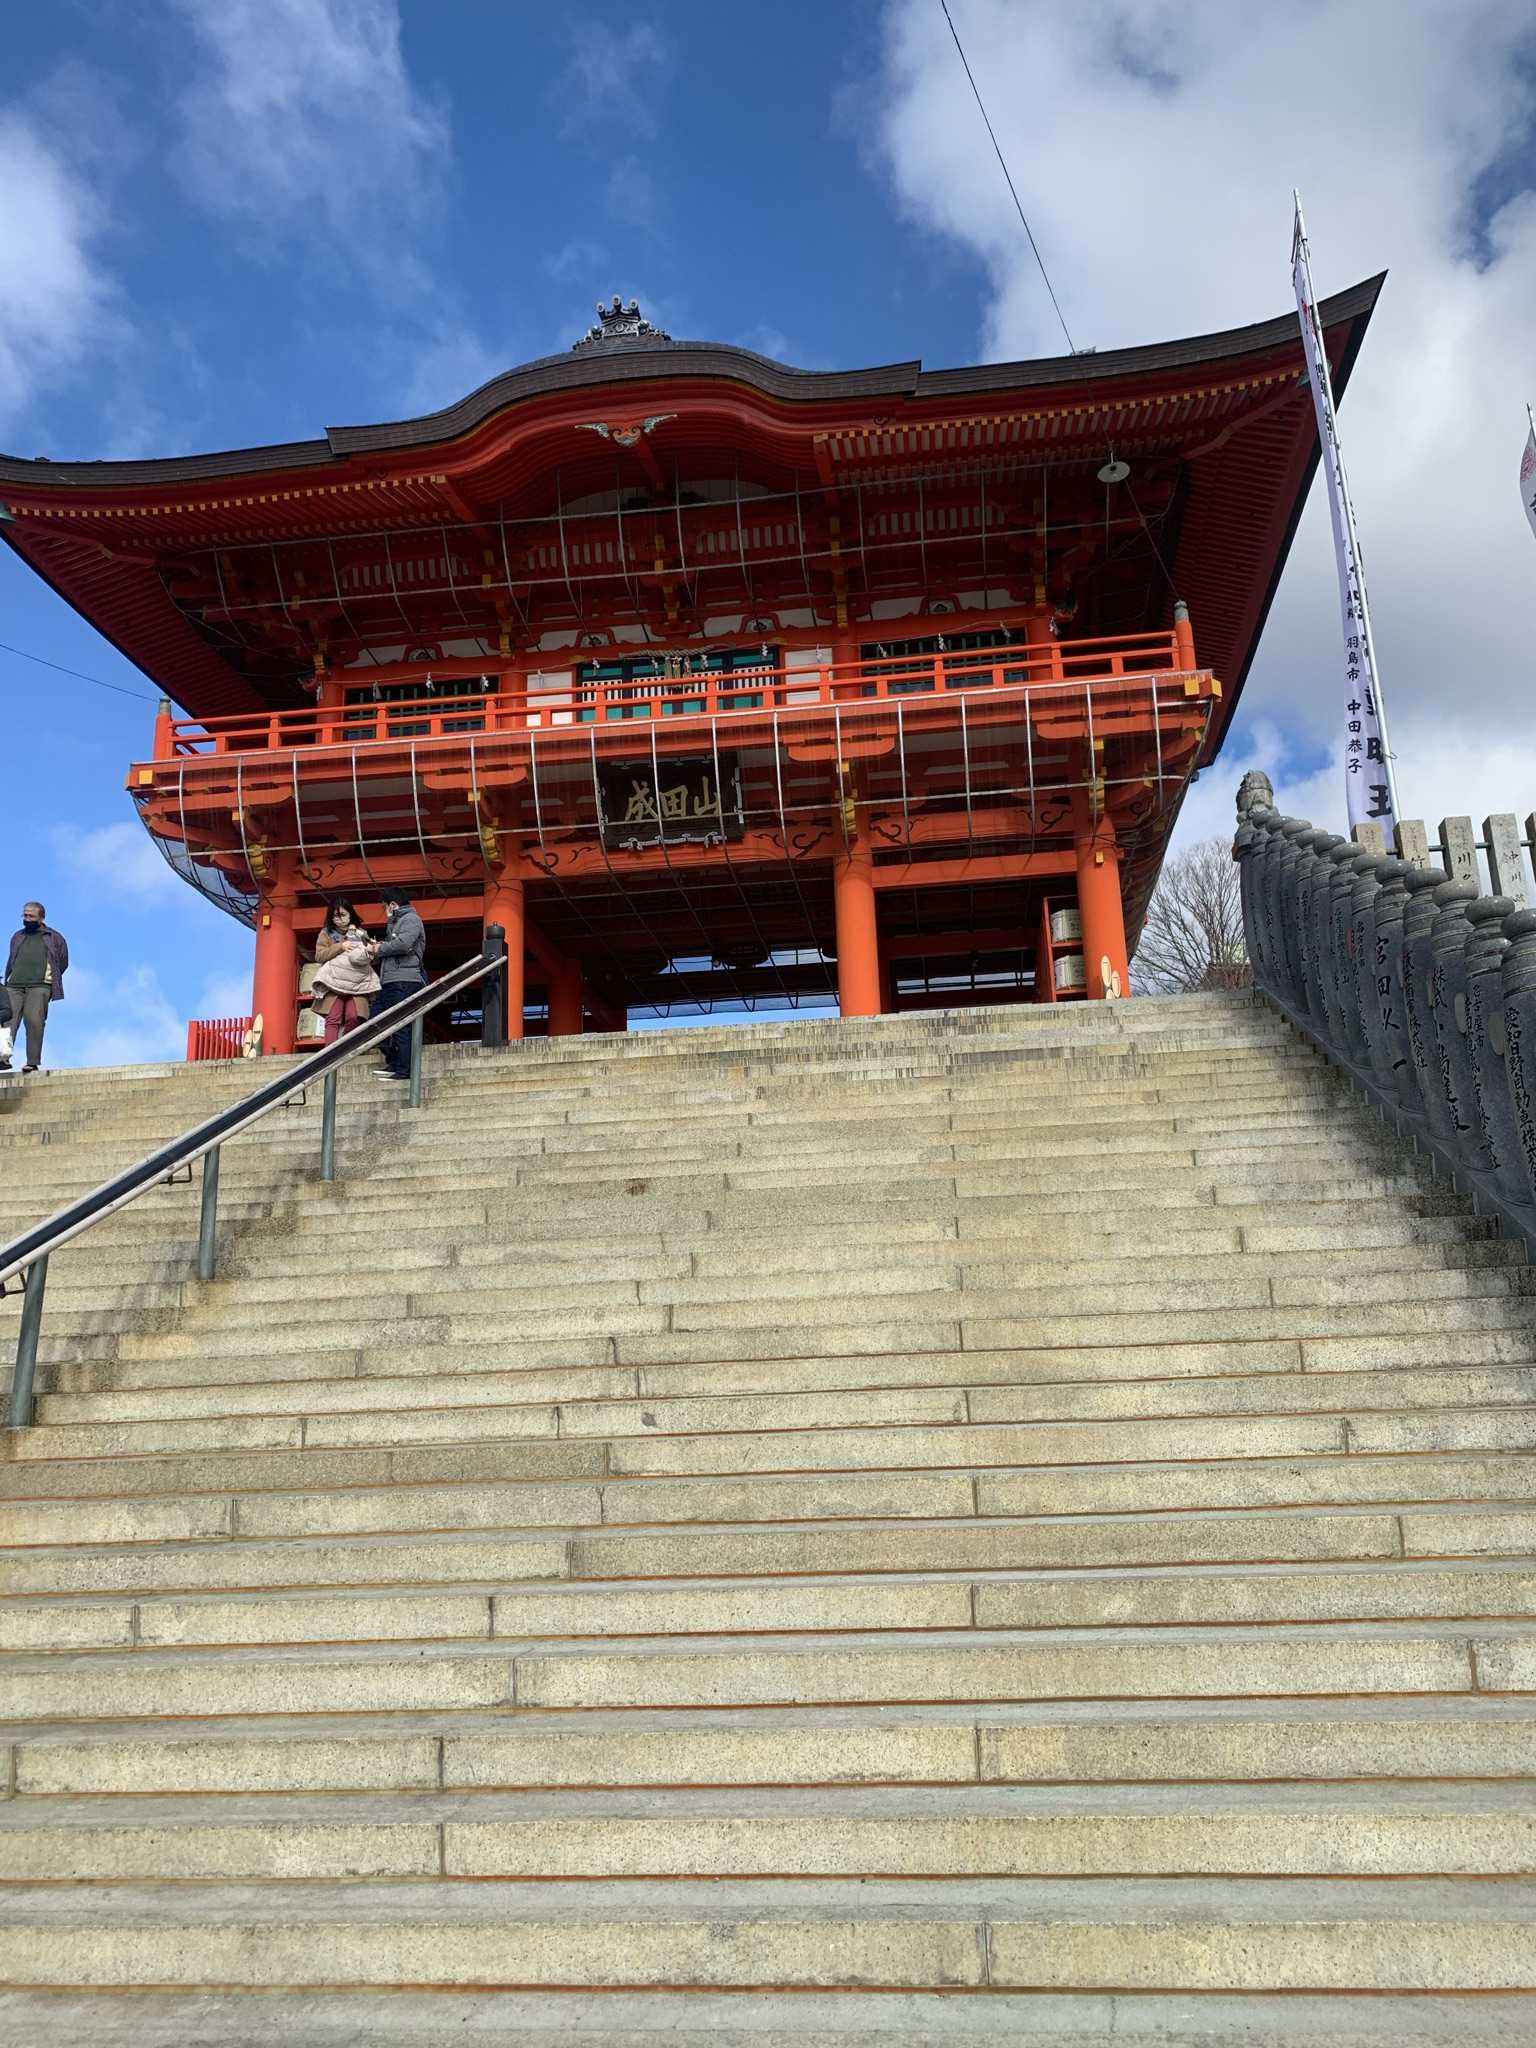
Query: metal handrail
(30, 1253)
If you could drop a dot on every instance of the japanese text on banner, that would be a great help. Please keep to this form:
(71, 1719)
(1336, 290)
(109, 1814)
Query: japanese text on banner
(1367, 776)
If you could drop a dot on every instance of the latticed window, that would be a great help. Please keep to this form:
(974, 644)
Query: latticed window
(909, 666)
(370, 707)
(657, 685)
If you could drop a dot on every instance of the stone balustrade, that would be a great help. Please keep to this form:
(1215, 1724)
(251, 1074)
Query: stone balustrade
(1413, 981)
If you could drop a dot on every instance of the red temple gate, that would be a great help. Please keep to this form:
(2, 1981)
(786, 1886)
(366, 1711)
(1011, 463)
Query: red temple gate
(715, 684)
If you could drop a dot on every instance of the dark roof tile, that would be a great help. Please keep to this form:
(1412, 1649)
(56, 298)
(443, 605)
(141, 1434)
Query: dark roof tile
(621, 363)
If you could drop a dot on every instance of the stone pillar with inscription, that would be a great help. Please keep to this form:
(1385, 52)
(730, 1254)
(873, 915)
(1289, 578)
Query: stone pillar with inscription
(1506, 869)
(1418, 920)
(1458, 850)
(1381, 984)
(1496, 1132)
(1448, 1009)
(1518, 977)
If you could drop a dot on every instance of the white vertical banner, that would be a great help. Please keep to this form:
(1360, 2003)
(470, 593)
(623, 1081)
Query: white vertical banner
(1370, 784)
(1528, 471)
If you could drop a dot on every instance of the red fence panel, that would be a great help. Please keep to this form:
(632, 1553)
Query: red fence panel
(216, 1038)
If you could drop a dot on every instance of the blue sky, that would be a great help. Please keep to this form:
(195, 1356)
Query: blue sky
(235, 221)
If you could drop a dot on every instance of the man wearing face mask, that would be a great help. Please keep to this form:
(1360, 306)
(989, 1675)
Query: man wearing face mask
(34, 978)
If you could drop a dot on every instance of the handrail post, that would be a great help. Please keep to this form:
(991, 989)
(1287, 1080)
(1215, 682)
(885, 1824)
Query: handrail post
(208, 1216)
(25, 1377)
(493, 992)
(418, 1034)
(328, 1128)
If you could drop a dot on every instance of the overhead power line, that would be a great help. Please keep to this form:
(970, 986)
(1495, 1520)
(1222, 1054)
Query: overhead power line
(78, 674)
(1013, 189)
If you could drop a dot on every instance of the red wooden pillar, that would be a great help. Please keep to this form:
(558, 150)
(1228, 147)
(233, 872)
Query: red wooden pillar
(565, 1000)
(853, 904)
(858, 952)
(330, 702)
(275, 987)
(1098, 900)
(1183, 636)
(504, 906)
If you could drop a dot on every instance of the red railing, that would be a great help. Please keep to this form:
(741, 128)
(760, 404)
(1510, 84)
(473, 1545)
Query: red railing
(520, 703)
(216, 1038)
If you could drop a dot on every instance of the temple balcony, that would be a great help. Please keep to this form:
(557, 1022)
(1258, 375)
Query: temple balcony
(1126, 675)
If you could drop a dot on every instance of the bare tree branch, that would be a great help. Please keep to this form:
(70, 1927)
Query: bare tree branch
(1193, 936)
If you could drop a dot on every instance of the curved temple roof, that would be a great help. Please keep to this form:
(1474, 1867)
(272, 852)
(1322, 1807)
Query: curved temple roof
(624, 362)
(1227, 415)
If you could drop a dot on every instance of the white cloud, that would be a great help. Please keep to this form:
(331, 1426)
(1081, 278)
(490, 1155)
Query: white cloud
(225, 995)
(302, 120)
(633, 197)
(444, 366)
(127, 1020)
(120, 859)
(55, 291)
(578, 259)
(768, 340)
(1155, 144)
(614, 74)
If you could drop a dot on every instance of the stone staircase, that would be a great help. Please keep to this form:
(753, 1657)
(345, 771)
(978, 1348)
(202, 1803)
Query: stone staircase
(988, 1525)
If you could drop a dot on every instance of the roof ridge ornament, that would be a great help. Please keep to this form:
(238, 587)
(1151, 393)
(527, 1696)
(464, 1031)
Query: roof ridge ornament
(618, 322)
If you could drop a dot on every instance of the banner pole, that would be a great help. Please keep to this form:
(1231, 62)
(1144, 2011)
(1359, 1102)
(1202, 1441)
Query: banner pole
(1359, 644)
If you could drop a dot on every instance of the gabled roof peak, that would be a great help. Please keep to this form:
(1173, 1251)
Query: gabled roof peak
(619, 323)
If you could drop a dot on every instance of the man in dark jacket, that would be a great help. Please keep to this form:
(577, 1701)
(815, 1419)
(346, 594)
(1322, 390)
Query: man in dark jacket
(34, 979)
(400, 956)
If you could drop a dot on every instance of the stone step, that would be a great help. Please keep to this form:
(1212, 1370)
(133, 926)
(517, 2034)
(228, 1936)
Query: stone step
(510, 1484)
(1035, 1832)
(594, 1086)
(744, 1225)
(895, 1600)
(757, 2019)
(793, 1112)
(656, 1253)
(946, 1286)
(1185, 1934)
(927, 1172)
(902, 1426)
(707, 1372)
(337, 1242)
(191, 1545)
(563, 1369)
(434, 1490)
(1483, 1297)
(1034, 1443)
(1111, 1663)
(704, 1276)
(607, 1401)
(1102, 1742)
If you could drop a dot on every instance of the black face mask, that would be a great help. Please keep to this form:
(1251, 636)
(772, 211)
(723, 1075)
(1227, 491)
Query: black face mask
(31, 924)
